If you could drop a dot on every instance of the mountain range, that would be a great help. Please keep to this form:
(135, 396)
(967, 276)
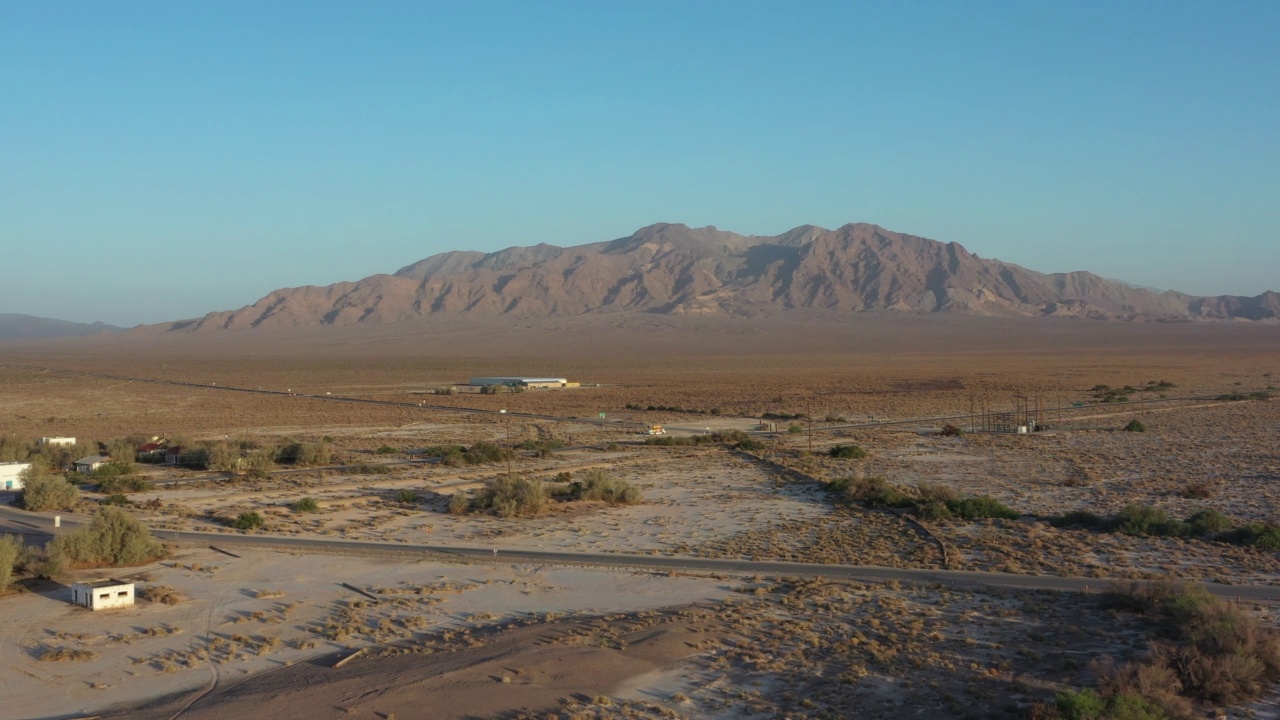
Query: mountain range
(14, 326)
(673, 269)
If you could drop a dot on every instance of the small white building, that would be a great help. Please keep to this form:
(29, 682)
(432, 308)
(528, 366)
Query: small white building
(103, 594)
(11, 475)
(58, 441)
(89, 463)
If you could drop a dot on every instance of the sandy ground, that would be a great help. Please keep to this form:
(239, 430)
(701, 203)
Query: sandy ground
(266, 611)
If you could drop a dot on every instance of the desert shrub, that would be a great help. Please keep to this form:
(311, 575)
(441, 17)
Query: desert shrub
(10, 549)
(113, 538)
(1143, 520)
(680, 441)
(1079, 518)
(795, 428)
(306, 505)
(952, 431)
(596, 484)
(1207, 522)
(936, 492)
(118, 500)
(386, 450)
(980, 507)
(162, 594)
(408, 497)
(1135, 425)
(512, 497)
(304, 453)
(847, 452)
(934, 510)
(247, 521)
(369, 469)
(730, 436)
(1198, 490)
(66, 655)
(749, 445)
(1259, 535)
(485, 452)
(459, 503)
(114, 485)
(42, 491)
(877, 492)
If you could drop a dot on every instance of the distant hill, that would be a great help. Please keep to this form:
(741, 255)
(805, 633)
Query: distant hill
(677, 270)
(14, 326)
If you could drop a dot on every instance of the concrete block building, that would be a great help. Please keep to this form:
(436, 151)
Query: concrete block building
(103, 594)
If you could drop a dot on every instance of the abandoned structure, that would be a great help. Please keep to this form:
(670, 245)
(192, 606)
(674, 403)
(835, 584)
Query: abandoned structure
(11, 475)
(103, 594)
(526, 382)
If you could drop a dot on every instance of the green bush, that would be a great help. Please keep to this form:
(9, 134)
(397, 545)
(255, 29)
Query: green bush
(980, 507)
(847, 452)
(1143, 520)
(42, 491)
(1259, 535)
(306, 454)
(113, 538)
(1207, 522)
(1135, 425)
(749, 445)
(408, 497)
(386, 450)
(952, 431)
(247, 521)
(117, 500)
(795, 428)
(306, 505)
(1080, 705)
(10, 549)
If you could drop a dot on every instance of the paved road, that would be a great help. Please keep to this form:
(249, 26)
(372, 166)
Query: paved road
(955, 578)
(43, 523)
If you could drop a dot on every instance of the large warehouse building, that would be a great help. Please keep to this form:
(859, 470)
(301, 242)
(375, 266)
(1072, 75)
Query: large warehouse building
(529, 382)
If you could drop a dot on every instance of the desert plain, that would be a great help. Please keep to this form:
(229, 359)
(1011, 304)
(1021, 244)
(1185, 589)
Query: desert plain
(381, 602)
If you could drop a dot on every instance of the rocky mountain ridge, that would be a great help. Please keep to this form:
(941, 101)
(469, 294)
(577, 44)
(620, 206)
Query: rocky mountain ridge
(673, 269)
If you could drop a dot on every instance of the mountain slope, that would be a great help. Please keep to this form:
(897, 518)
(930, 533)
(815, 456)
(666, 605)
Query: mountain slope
(674, 269)
(14, 326)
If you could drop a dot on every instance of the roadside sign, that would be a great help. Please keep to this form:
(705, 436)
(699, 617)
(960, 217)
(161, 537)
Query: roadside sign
(601, 416)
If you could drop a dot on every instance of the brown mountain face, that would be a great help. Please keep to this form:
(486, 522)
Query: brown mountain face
(674, 269)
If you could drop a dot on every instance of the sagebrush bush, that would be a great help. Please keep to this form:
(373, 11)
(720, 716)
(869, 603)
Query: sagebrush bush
(596, 484)
(306, 505)
(512, 497)
(113, 538)
(1135, 425)
(847, 452)
(121, 485)
(980, 507)
(247, 521)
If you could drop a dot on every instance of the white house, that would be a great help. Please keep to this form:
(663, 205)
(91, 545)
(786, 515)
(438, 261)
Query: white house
(89, 463)
(57, 441)
(11, 475)
(103, 594)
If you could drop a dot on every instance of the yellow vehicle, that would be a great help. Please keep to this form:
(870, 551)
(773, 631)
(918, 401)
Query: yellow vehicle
(657, 430)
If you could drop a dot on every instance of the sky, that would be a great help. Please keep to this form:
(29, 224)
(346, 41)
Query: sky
(162, 160)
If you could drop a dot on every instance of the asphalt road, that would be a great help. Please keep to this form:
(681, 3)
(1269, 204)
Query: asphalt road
(41, 525)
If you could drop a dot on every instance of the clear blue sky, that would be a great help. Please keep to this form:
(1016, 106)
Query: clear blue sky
(162, 160)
